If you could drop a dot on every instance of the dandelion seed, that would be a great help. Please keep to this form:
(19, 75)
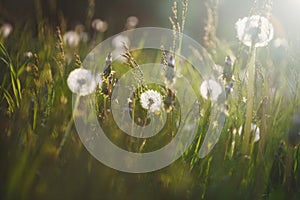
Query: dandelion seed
(5, 30)
(99, 25)
(254, 129)
(254, 30)
(129, 100)
(152, 101)
(81, 81)
(71, 38)
(210, 89)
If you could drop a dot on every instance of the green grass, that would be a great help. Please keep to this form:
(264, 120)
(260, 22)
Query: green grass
(36, 116)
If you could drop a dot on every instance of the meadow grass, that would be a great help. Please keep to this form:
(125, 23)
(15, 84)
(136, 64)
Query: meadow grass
(42, 156)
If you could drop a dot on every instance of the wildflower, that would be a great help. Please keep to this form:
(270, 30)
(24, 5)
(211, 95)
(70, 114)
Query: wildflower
(151, 100)
(254, 30)
(5, 30)
(99, 25)
(71, 38)
(132, 22)
(254, 129)
(81, 81)
(210, 89)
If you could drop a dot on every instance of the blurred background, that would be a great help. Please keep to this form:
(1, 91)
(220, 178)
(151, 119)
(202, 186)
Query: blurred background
(32, 170)
(151, 13)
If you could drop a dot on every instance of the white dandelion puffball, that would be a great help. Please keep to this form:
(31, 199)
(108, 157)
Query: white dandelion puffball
(210, 89)
(151, 100)
(254, 30)
(119, 40)
(99, 25)
(82, 82)
(5, 30)
(71, 38)
(132, 22)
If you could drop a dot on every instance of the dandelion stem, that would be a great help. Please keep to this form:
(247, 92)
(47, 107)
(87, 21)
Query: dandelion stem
(250, 98)
(69, 126)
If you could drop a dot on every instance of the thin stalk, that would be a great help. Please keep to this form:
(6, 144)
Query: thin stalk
(69, 126)
(250, 99)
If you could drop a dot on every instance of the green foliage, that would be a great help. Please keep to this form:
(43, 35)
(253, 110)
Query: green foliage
(42, 156)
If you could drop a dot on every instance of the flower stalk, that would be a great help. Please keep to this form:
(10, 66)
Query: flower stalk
(250, 99)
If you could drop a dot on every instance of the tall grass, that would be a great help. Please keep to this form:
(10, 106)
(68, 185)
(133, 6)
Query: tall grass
(43, 158)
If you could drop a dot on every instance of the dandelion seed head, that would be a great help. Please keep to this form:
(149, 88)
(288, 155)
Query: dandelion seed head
(254, 30)
(84, 37)
(151, 100)
(99, 25)
(210, 89)
(79, 28)
(132, 22)
(71, 38)
(119, 40)
(117, 54)
(5, 30)
(81, 81)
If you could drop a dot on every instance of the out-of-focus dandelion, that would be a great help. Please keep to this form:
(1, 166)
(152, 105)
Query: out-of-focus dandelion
(119, 41)
(5, 30)
(151, 100)
(119, 49)
(254, 129)
(79, 28)
(132, 22)
(71, 38)
(99, 25)
(210, 89)
(82, 82)
(83, 35)
(28, 54)
(254, 30)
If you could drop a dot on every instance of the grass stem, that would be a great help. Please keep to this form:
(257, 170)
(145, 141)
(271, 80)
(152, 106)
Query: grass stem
(250, 99)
